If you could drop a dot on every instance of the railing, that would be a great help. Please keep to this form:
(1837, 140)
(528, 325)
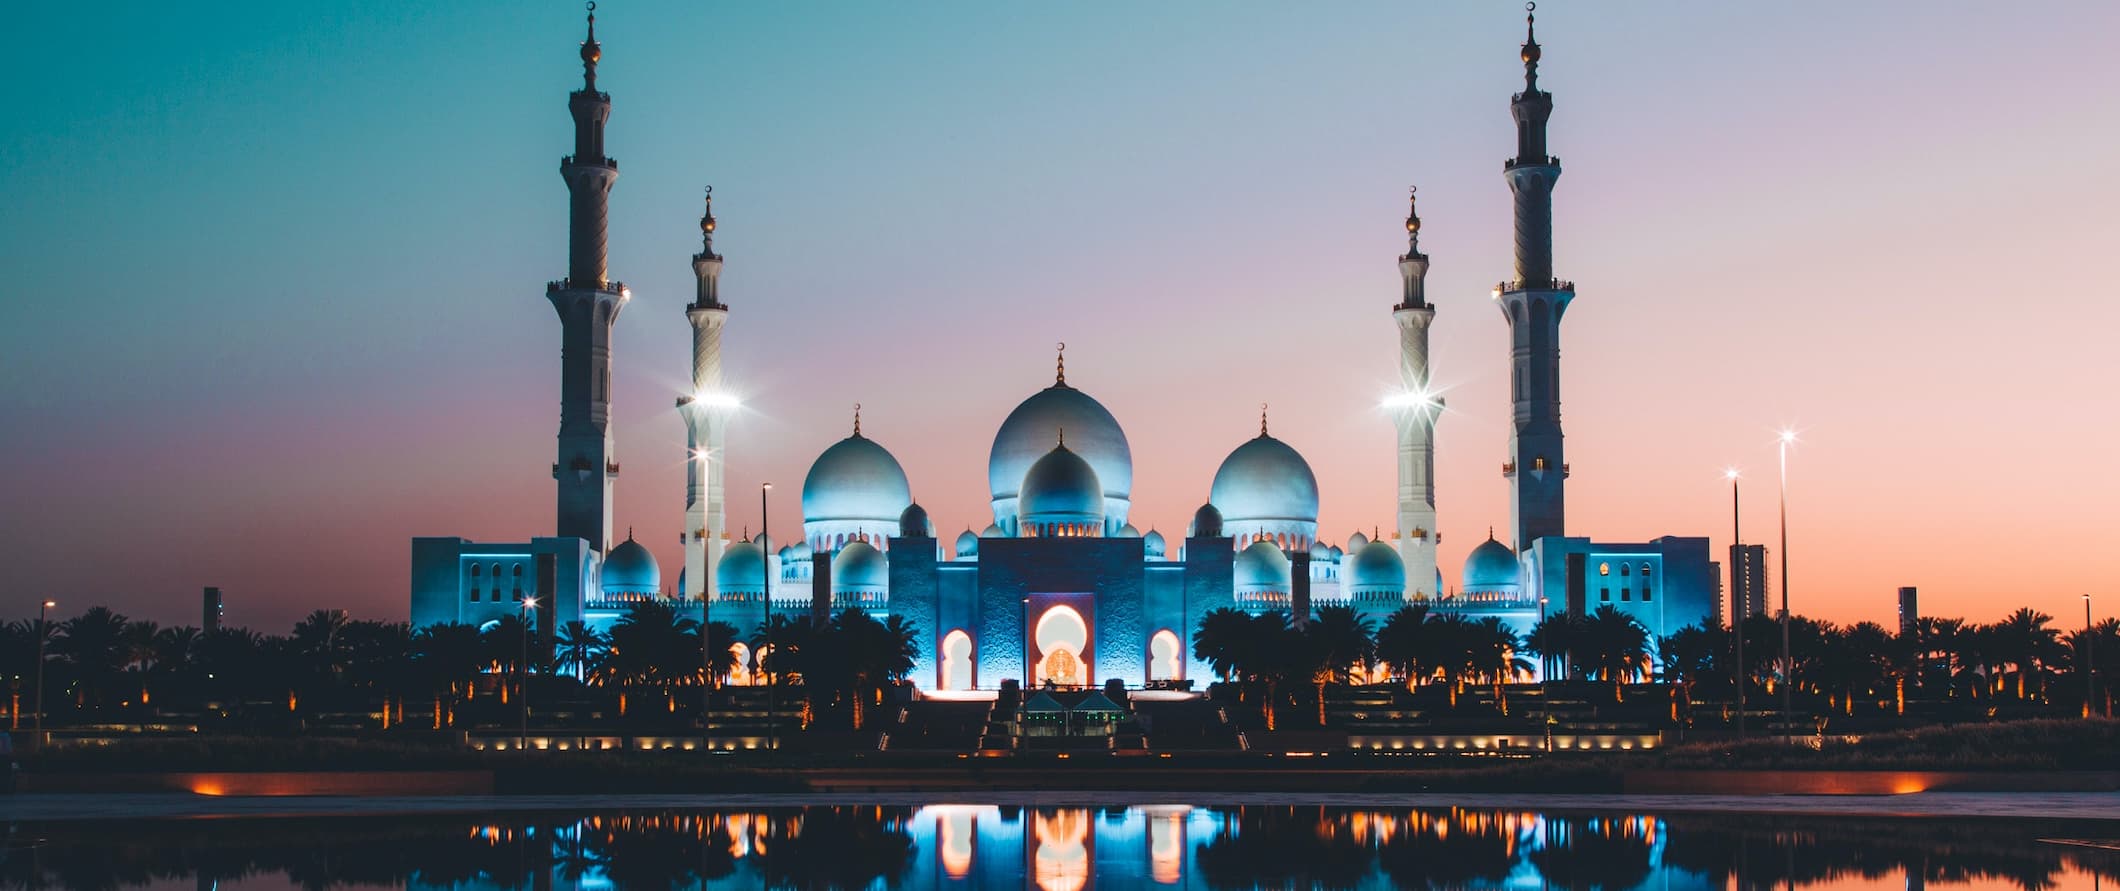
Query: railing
(1551, 284)
(1548, 161)
(569, 161)
(567, 284)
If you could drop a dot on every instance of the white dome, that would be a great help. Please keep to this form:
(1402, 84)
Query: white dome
(967, 545)
(630, 569)
(855, 480)
(1152, 543)
(1061, 488)
(1032, 428)
(1262, 568)
(860, 569)
(1265, 484)
(742, 569)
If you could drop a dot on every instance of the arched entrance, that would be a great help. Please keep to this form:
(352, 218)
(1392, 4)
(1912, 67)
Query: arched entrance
(956, 661)
(740, 675)
(1061, 640)
(1166, 656)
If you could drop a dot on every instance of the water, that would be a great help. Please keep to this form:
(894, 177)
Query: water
(1063, 849)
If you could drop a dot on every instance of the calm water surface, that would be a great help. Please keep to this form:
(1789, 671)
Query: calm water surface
(1062, 849)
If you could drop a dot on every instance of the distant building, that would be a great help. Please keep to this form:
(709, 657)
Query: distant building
(210, 610)
(1748, 580)
(1909, 612)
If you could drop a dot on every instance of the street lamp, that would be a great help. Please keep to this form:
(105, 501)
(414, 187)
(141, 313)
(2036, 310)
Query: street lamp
(1545, 695)
(1788, 664)
(765, 573)
(522, 691)
(42, 632)
(2090, 657)
(706, 607)
(1742, 602)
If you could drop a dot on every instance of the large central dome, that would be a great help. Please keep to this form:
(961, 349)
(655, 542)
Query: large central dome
(1266, 490)
(1037, 423)
(855, 491)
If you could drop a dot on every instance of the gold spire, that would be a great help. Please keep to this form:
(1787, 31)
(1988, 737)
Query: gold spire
(857, 419)
(1060, 366)
(1063, 438)
(1262, 419)
(1530, 51)
(706, 222)
(1413, 216)
(591, 50)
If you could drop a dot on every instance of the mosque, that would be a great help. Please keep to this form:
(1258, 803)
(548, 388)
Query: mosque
(1062, 585)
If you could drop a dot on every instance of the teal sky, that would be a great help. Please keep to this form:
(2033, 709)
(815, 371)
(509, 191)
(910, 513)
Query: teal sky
(275, 271)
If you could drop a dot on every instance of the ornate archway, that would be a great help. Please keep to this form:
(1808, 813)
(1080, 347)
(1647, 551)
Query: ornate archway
(1061, 648)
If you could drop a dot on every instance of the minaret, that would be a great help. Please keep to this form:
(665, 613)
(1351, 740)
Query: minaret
(588, 302)
(1533, 303)
(1417, 411)
(706, 412)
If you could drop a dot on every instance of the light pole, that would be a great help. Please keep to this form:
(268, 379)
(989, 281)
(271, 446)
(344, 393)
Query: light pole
(1742, 601)
(765, 573)
(43, 631)
(1545, 695)
(2090, 659)
(522, 690)
(706, 642)
(1788, 664)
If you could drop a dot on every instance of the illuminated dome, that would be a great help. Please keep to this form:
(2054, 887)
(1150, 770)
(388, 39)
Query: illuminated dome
(1492, 567)
(913, 523)
(1128, 531)
(630, 569)
(860, 569)
(1356, 542)
(855, 490)
(1061, 490)
(992, 531)
(742, 569)
(1265, 488)
(1262, 568)
(967, 545)
(1319, 553)
(801, 551)
(1152, 544)
(1374, 570)
(1029, 433)
(1207, 522)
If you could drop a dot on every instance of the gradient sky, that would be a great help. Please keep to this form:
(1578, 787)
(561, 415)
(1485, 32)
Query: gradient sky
(275, 271)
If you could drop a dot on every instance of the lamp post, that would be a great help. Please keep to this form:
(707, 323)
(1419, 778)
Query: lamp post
(1545, 695)
(765, 573)
(43, 631)
(2090, 659)
(706, 638)
(1743, 602)
(1788, 663)
(522, 690)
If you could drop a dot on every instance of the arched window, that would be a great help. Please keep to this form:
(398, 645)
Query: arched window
(1645, 570)
(1625, 570)
(1604, 569)
(476, 570)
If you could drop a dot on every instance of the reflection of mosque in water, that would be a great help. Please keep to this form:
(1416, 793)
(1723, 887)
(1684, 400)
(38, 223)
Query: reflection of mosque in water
(1059, 849)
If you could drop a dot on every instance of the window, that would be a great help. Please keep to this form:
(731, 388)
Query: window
(1626, 594)
(1604, 569)
(474, 593)
(1625, 570)
(1645, 570)
(476, 569)
(1604, 595)
(1645, 594)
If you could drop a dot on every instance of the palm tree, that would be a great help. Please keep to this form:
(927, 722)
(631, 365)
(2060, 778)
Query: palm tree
(1220, 640)
(98, 645)
(1615, 648)
(171, 663)
(1404, 645)
(1691, 654)
(1493, 649)
(652, 646)
(1555, 639)
(447, 655)
(1455, 642)
(1344, 640)
(2025, 640)
(578, 645)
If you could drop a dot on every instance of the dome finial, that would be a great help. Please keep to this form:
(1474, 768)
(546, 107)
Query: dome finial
(591, 52)
(1262, 419)
(629, 533)
(857, 419)
(1060, 366)
(1490, 533)
(1063, 436)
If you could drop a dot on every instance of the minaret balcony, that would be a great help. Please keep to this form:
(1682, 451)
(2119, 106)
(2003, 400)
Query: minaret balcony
(569, 161)
(568, 284)
(1551, 284)
(1546, 161)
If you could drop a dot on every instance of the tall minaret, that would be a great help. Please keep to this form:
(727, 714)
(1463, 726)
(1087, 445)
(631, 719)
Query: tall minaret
(1533, 304)
(1416, 414)
(587, 302)
(706, 412)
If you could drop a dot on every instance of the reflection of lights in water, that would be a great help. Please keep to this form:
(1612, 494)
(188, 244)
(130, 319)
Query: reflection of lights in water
(1062, 860)
(1166, 848)
(957, 836)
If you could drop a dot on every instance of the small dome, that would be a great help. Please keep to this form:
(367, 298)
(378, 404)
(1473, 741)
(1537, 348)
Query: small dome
(1152, 543)
(992, 531)
(801, 551)
(860, 569)
(630, 569)
(855, 479)
(1320, 553)
(1061, 488)
(1265, 480)
(1356, 542)
(913, 523)
(784, 553)
(967, 545)
(764, 542)
(742, 569)
(1262, 567)
(1207, 522)
(1128, 531)
(1492, 567)
(1376, 569)
(1337, 553)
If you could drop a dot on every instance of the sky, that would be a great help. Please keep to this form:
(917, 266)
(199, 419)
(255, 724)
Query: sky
(275, 272)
